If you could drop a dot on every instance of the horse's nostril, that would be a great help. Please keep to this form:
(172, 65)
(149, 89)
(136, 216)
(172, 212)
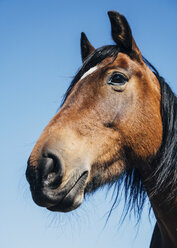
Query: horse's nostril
(52, 170)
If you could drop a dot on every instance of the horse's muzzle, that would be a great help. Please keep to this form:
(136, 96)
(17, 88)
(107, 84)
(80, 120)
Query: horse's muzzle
(45, 179)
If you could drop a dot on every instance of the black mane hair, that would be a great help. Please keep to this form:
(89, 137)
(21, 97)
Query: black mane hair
(164, 165)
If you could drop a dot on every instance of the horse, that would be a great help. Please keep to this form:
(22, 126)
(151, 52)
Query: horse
(117, 125)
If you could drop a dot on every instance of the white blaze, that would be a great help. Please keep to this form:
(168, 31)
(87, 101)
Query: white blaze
(91, 70)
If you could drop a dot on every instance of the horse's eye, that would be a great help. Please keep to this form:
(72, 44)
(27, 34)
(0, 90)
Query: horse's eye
(117, 79)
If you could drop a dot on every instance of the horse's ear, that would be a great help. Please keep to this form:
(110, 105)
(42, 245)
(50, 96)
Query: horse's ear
(121, 33)
(86, 47)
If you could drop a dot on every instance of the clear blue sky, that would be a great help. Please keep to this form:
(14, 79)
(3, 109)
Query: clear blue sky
(39, 54)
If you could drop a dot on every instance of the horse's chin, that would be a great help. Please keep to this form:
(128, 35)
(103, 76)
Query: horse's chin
(68, 204)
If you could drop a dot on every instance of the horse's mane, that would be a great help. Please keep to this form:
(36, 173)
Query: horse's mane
(164, 164)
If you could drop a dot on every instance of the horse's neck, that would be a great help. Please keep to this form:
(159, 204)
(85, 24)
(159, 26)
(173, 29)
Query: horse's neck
(167, 223)
(166, 215)
(160, 240)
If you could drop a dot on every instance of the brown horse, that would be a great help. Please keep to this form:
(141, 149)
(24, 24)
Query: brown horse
(117, 123)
